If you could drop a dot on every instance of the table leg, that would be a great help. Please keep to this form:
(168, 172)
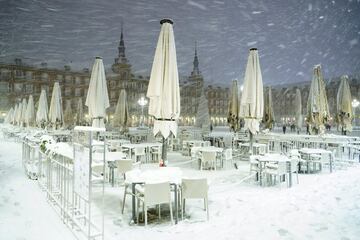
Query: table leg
(290, 175)
(331, 160)
(133, 202)
(176, 205)
(112, 176)
(260, 173)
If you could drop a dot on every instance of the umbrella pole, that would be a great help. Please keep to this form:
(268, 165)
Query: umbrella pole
(164, 151)
(251, 143)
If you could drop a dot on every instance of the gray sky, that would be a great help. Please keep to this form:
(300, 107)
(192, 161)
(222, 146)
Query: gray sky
(292, 35)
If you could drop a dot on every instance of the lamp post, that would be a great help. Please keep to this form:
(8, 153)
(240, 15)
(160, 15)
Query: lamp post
(355, 103)
(142, 102)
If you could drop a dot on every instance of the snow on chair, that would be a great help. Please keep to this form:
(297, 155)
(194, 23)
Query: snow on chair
(194, 189)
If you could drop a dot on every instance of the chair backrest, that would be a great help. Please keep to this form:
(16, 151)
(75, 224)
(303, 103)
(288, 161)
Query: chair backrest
(156, 193)
(139, 151)
(228, 154)
(281, 168)
(124, 165)
(194, 188)
(207, 144)
(208, 156)
(294, 163)
(156, 149)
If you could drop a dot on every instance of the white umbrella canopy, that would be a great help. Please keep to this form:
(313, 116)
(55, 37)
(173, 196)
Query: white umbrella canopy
(268, 118)
(97, 98)
(317, 105)
(343, 105)
(9, 116)
(80, 118)
(42, 111)
(30, 112)
(18, 114)
(202, 115)
(14, 118)
(163, 89)
(23, 112)
(56, 116)
(252, 99)
(234, 107)
(68, 115)
(298, 109)
(121, 115)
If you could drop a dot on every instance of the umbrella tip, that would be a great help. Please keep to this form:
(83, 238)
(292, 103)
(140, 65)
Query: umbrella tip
(98, 57)
(166, 20)
(253, 49)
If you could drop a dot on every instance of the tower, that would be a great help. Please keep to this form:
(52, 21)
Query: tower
(121, 64)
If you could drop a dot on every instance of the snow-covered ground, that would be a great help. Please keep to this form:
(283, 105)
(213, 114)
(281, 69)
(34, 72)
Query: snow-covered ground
(321, 206)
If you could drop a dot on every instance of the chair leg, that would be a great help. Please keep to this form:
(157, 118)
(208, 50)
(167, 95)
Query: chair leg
(159, 211)
(171, 213)
(145, 212)
(207, 208)
(182, 208)
(123, 203)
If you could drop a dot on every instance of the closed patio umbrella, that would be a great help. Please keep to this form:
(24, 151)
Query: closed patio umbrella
(252, 99)
(343, 106)
(9, 116)
(268, 118)
(317, 105)
(23, 112)
(163, 89)
(202, 115)
(97, 99)
(56, 116)
(80, 118)
(68, 115)
(298, 110)
(18, 114)
(30, 112)
(121, 115)
(14, 118)
(233, 113)
(42, 111)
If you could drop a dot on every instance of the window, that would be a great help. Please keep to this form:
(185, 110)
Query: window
(77, 92)
(4, 87)
(67, 91)
(29, 88)
(78, 81)
(18, 87)
(68, 79)
(28, 75)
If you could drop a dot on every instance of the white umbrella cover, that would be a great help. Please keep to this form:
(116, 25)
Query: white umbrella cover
(298, 109)
(30, 112)
(97, 98)
(121, 115)
(202, 115)
(343, 105)
(233, 113)
(268, 118)
(13, 120)
(317, 105)
(18, 114)
(9, 116)
(56, 116)
(23, 112)
(42, 111)
(68, 115)
(163, 90)
(252, 99)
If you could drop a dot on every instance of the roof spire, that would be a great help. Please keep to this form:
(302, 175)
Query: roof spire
(196, 70)
(121, 48)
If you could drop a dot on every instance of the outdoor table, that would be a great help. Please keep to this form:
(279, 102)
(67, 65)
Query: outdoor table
(191, 143)
(117, 142)
(309, 151)
(110, 158)
(274, 158)
(258, 148)
(146, 145)
(164, 174)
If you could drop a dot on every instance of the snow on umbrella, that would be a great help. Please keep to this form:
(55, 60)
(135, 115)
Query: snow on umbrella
(42, 111)
(233, 113)
(252, 99)
(163, 89)
(317, 105)
(268, 118)
(121, 115)
(18, 114)
(9, 116)
(343, 106)
(23, 112)
(298, 110)
(97, 98)
(56, 116)
(80, 113)
(30, 112)
(68, 115)
(202, 115)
